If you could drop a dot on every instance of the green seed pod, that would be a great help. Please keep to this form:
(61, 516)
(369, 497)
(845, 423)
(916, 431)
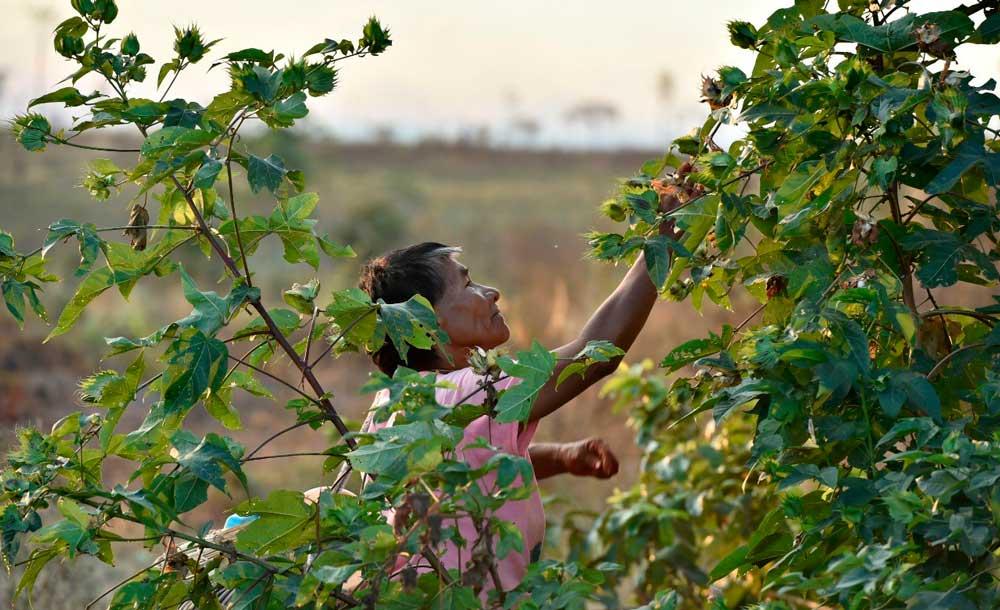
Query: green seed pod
(613, 210)
(130, 45)
(742, 34)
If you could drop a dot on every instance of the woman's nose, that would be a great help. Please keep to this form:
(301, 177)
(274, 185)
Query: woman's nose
(494, 293)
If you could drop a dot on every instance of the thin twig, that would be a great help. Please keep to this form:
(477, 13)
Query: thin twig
(123, 582)
(909, 215)
(741, 176)
(180, 227)
(982, 317)
(342, 334)
(65, 142)
(746, 321)
(274, 377)
(437, 565)
(952, 354)
(309, 340)
(280, 432)
(177, 73)
(286, 455)
(232, 202)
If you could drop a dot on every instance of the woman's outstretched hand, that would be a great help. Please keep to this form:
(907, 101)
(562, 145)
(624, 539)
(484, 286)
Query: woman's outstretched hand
(675, 192)
(591, 457)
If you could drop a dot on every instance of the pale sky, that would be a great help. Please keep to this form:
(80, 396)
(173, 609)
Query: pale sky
(453, 65)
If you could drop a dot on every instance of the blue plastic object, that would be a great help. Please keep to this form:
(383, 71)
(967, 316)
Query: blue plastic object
(236, 520)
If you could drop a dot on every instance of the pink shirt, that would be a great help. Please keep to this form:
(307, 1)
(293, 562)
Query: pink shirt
(512, 438)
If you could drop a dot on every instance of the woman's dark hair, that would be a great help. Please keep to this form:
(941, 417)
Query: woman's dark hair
(397, 276)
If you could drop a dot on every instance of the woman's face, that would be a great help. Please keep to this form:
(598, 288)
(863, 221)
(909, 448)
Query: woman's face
(468, 311)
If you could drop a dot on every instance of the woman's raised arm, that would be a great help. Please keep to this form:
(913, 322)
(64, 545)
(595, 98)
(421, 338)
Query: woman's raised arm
(619, 319)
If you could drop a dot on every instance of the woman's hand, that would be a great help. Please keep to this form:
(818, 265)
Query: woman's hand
(590, 457)
(623, 314)
(675, 192)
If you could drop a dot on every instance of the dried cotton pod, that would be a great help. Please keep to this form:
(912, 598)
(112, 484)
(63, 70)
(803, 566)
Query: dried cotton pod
(138, 219)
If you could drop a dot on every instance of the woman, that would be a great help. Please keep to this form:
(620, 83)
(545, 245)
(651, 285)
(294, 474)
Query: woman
(469, 314)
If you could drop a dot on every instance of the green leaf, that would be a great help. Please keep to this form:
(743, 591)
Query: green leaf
(210, 310)
(12, 525)
(207, 173)
(32, 131)
(224, 106)
(291, 108)
(280, 526)
(347, 307)
(917, 391)
(110, 389)
(254, 55)
(835, 377)
(189, 492)
(728, 399)
(302, 297)
(888, 38)
(969, 154)
(378, 457)
(593, 352)
(38, 560)
(90, 288)
(13, 296)
(205, 458)
(76, 537)
(334, 250)
(939, 253)
(735, 559)
(692, 350)
(291, 222)
(533, 367)
(196, 363)
(988, 31)
(657, 255)
(262, 83)
(265, 173)
(411, 323)
(162, 140)
(791, 196)
(90, 242)
(67, 95)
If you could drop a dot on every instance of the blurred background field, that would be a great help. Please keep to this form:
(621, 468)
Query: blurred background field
(519, 215)
(504, 143)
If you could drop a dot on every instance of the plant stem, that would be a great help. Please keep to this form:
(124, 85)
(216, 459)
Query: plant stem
(232, 202)
(436, 565)
(280, 432)
(904, 262)
(65, 142)
(177, 73)
(286, 455)
(940, 365)
(274, 377)
(323, 402)
(343, 332)
(123, 582)
(742, 175)
(947, 311)
(123, 227)
(309, 340)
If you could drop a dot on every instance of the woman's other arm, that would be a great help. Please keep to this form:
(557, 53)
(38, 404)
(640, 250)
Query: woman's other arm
(590, 457)
(618, 319)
